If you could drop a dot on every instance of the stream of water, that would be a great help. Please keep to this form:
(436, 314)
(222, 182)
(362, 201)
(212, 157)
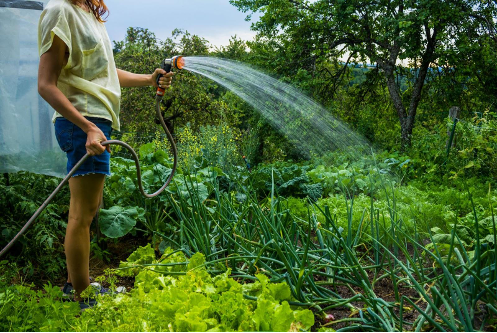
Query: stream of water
(305, 123)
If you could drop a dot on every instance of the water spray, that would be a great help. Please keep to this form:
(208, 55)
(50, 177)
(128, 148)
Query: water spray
(176, 62)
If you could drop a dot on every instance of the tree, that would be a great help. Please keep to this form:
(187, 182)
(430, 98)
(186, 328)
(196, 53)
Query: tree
(235, 50)
(190, 98)
(391, 34)
(138, 53)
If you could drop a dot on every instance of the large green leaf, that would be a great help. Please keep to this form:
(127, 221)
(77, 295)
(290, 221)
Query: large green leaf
(118, 221)
(282, 318)
(147, 150)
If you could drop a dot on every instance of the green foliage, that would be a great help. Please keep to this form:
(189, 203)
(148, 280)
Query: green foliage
(39, 251)
(473, 153)
(24, 309)
(198, 302)
(330, 174)
(350, 237)
(145, 255)
(212, 145)
(235, 50)
(313, 44)
(357, 244)
(366, 109)
(191, 302)
(190, 99)
(415, 207)
(289, 179)
(476, 146)
(127, 204)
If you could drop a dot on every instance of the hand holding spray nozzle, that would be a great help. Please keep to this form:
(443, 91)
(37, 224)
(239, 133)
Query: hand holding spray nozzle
(176, 62)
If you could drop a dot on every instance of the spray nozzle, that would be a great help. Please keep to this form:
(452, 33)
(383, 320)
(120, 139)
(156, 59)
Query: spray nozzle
(176, 62)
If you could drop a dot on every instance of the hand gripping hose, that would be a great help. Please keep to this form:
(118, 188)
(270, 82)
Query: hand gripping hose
(138, 175)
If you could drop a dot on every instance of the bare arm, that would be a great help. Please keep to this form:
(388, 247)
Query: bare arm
(51, 64)
(127, 79)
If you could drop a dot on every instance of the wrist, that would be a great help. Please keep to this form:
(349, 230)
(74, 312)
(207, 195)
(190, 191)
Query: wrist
(88, 126)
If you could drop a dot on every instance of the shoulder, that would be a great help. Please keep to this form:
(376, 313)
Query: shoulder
(56, 8)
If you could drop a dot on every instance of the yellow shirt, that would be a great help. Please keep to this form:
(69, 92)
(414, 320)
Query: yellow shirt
(89, 80)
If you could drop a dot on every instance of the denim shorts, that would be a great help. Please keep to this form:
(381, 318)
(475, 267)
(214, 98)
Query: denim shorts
(72, 140)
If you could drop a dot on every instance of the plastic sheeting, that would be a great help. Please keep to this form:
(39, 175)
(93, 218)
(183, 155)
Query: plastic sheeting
(27, 140)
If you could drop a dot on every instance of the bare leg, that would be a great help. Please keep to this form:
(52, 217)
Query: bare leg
(100, 205)
(86, 192)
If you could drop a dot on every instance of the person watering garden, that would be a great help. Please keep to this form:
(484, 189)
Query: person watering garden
(78, 77)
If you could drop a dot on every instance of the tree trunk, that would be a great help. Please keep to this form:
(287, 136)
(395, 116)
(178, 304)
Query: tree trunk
(406, 120)
(406, 135)
(408, 116)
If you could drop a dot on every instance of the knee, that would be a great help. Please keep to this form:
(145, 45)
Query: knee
(83, 216)
(92, 210)
(79, 221)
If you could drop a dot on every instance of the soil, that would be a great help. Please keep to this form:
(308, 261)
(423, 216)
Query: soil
(383, 289)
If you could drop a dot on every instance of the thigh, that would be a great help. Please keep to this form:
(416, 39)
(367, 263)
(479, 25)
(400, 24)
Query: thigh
(86, 192)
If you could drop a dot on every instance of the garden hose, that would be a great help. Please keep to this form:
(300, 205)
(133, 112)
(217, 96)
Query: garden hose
(175, 62)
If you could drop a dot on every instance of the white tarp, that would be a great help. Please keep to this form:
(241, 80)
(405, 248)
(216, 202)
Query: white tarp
(27, 140)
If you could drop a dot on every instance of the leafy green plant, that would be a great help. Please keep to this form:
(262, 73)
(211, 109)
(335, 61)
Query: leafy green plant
(225, 304)
(127, 206)
(289, 180)
(322, 251)
(40, 251)
(25, 309)
(191, 301)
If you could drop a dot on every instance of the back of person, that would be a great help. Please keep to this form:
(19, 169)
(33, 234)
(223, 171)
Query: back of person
(89, 77)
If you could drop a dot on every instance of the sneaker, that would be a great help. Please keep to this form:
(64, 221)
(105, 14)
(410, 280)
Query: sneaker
(121, 290)
(68, 289)
(103, 291)
(86, 304)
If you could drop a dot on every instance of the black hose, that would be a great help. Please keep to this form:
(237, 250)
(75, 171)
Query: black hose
(81, 161)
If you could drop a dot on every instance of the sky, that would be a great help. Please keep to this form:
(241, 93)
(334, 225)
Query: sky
(214, 20)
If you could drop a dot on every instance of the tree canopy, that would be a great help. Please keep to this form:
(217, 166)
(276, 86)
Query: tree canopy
(390, 34)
